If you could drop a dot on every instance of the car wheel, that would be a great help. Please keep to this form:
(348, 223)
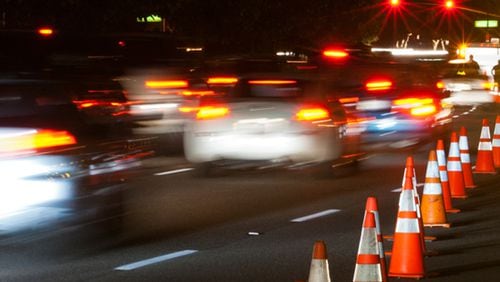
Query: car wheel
(202, 170)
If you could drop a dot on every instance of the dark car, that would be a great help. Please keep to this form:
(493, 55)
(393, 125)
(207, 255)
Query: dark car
(393, 104)
(53, 167)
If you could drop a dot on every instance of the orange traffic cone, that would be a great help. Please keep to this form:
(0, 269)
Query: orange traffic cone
(372, 206)
(433, 211)
(407, 256)
(443, 176)
(410, 172)
(496, 143)
(319, 271)
(368, 267)
(455, 175)
(463, 145)
(484, 160)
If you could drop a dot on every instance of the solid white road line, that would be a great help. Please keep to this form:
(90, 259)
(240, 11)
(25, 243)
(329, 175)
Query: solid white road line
(315, 215)
(146, 262)
(174, 171)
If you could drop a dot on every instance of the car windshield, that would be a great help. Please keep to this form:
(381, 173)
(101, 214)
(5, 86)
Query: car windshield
(461, 70)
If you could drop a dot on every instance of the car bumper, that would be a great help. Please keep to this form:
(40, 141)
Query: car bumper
(292, 147)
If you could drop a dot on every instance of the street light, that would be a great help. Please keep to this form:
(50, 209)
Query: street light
(394, 3)
(449, 4)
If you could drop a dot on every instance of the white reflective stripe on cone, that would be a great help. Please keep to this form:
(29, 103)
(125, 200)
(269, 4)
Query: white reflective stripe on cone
(454, 166)
(441, 157)
(368, 243)
(367, 272)
(407, 201)
(407, 225)
(432, 189)
(443, 175)
(465, 158)
(485, 132)
(484, 146)
(319, 271)
(496, 142)
(463, 143)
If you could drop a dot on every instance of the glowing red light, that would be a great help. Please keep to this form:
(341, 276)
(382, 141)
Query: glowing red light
(45, 31)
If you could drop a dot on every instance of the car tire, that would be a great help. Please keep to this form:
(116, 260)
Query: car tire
(203, 170)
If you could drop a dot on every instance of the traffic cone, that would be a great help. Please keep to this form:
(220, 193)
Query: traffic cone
(443, 176)
(496, 143)
(433, 211)
(407, 256)
(410, 172)
(484, 160)
(368, 267)
(463, 145)
(455, 175)
(319, 271)
(372, 206)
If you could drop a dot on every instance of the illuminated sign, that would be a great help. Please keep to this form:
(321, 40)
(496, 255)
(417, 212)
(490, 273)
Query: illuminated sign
(486, 23)
(149, 19)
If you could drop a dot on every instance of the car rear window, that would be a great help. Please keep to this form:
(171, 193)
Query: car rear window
(269, 89)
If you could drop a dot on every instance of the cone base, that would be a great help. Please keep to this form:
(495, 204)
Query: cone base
(459, 197)
(430, 238)
(453, 210)
(400, 275)
(445, 225)
(485, 172)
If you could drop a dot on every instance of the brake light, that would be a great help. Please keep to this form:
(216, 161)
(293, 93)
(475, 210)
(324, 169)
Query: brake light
(418, 107)
(271, 82)
(83, 104)
(222, 80)
(488, 85)
(440, 85)
(212, 112)
(33, 140)
(348, 100)
(154, 84)
(312, 114)
(198, 93)
(378, 85)
(335, 53)
(45, 31)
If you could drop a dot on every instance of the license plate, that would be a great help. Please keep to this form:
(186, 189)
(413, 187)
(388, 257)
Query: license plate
(373, 105)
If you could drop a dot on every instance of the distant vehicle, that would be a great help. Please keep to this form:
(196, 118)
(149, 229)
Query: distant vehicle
(269, 120)
(53, 168)
(392, 104)
(161, 84)
(467, 84)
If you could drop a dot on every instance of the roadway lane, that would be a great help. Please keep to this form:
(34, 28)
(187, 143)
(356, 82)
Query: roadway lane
(257, 226)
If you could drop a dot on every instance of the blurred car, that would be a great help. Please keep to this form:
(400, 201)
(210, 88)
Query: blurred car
(466, 84)
(160, 81)
(269, 120)
(53, 168)
(391, 104)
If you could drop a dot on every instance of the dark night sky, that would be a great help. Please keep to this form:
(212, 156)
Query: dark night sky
(255, 22)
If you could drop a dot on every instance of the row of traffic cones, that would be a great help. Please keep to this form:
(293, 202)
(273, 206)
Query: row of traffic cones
(444, 180)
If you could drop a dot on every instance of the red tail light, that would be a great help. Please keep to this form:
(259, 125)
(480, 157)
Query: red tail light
(335, 53)
(212, 112)
(83, 104)
(222, 80)
(45, 31)
(440, 85)
(312, 114)
(34, 140)
(155, 84)
(198, 93)
(419, 107)
(271, 82)
(378, 85)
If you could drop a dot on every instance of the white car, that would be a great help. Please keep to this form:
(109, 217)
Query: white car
(267, 121)
(466, 84)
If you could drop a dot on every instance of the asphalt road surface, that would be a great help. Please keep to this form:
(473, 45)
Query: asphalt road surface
(259, 225)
